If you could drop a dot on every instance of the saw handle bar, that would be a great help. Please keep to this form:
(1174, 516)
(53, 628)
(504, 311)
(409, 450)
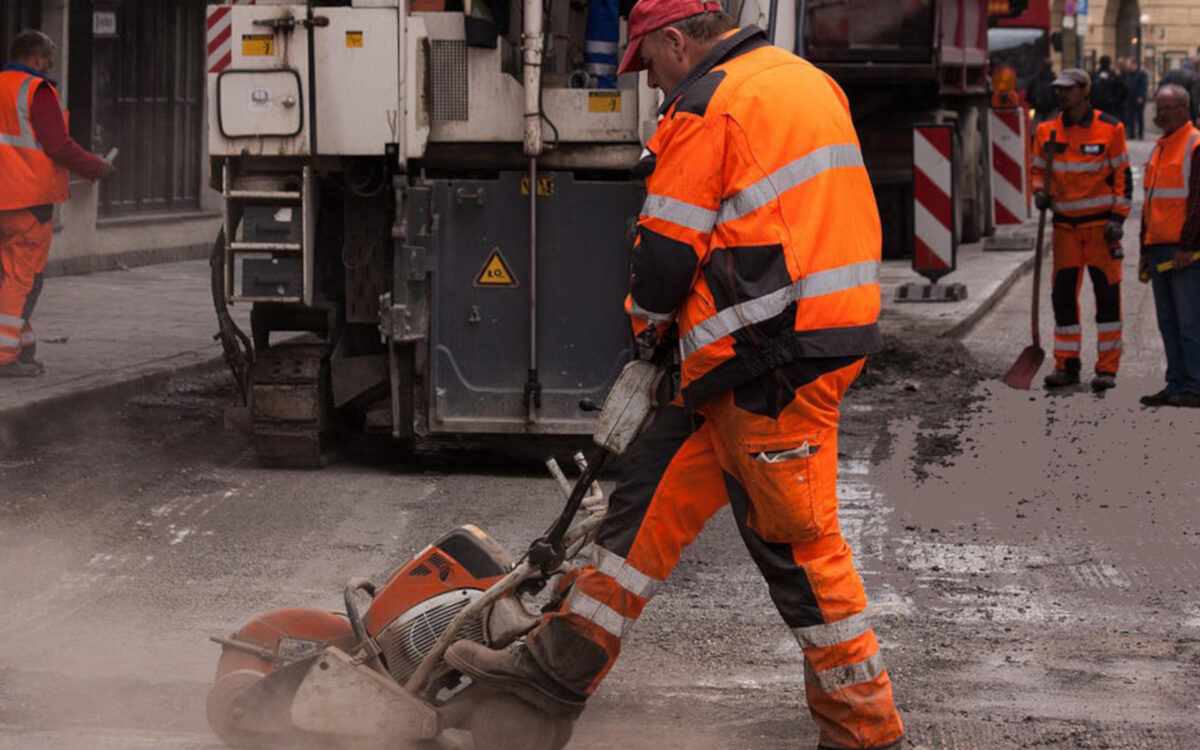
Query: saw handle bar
(353, 586)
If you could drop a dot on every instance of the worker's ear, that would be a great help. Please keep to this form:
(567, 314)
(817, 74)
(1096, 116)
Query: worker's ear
(674, 40)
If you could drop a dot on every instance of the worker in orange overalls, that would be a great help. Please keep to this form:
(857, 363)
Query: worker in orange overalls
(1090, 194)
(760, 240)
(36, 155)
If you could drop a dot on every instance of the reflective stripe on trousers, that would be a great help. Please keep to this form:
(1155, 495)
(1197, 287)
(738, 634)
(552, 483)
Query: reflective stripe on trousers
(1080, 250)
(24, 248)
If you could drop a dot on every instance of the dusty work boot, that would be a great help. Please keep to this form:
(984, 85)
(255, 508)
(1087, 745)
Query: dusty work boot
(1062, 378)
(20, 369)
(1190, 400)
(1162, 398)
(894, 745)
(1103, 381)
(513, 670)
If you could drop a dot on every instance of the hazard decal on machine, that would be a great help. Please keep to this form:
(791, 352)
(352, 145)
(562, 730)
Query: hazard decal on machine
(495, 272)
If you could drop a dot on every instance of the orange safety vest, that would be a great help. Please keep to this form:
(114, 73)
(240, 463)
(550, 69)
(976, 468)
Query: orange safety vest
(1167, 177)
(759, 235)
(29, 177)
(1092, 182)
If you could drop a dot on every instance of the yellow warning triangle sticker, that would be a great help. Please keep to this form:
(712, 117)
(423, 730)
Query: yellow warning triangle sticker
(495, 272)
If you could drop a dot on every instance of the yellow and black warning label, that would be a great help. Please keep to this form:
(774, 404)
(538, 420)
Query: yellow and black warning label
(495, 272)
(545, 184)
(354, 39)
(258, 45)
(604, 101)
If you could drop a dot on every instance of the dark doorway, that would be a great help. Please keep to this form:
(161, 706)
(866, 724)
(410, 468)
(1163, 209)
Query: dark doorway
(147, 100)
(16, 15)
(1129, 29)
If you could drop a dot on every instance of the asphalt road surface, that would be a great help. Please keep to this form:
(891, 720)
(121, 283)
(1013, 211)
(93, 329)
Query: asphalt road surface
(1032, 561)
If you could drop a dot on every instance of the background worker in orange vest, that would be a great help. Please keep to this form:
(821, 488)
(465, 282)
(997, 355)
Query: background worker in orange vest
(36, 155)
(760, 240)
(1090, 194)
(1170, 235)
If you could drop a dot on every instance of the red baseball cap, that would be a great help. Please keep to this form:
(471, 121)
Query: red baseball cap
(651, 15)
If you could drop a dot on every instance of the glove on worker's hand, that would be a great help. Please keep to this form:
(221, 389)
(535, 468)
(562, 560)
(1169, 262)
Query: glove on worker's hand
(1041, 199)
(1114, 231)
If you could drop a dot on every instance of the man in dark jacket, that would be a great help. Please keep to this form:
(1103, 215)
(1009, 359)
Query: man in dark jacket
(1185, 78)
(1108, 93)
(1136, 83)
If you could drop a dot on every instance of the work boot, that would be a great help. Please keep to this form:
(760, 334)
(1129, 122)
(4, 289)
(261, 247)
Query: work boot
(18, 369)
(1162, 398)
(1103, 381)
(1062, 378)
(894, 745)
(1191, 400)
(513, 670)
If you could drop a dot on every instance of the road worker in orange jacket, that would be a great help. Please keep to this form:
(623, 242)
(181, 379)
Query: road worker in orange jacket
(1089, 194)
(1170, 238)
(35, 156)
(760, 241)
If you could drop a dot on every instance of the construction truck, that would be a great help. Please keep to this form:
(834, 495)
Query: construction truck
(904, 62)
(429, 212)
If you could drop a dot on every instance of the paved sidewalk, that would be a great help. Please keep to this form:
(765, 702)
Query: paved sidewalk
(109, 335)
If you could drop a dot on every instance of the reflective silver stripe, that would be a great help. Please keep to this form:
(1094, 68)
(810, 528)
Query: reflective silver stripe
(627, 577)
(9, 341)
(601, 614)
(1122, 159)
(832, 633)
(24, 138)
(768, 306)
(600, 48)
(679, 212)
(1066, 346)
(846, 675)
(601, 69)
(1039, 162)
(1107, 327)
(1122, 201)
(1187, 164)
(1102, 202)
(1181, 193)
(11, 320)
(1067, 330)
(1107, 346)
(653, 317)
(787, 177)
(1080, 166)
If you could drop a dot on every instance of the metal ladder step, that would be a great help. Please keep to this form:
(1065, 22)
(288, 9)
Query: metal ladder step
(282, 253)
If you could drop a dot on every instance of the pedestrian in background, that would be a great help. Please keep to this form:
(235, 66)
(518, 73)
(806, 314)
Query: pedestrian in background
(1170, 234)
(1090, 194)
(36, 154)
(1136, 84)
(1185, 77)
(755, 189)
(1041, 93)
(1108, 92)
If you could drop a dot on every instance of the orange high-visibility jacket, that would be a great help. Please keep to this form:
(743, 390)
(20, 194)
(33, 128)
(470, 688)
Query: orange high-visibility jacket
(759, 235)
(1168, 175)
(27, 175)
(1092, 182)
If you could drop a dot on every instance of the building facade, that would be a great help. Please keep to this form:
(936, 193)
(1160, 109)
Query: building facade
(131, 74)
(1160, 33)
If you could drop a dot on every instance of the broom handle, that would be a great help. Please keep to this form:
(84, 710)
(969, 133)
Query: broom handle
(1037, 251)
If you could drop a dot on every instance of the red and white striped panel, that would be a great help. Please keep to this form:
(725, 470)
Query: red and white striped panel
(933, 200)
(220, 35)
(1008, 166)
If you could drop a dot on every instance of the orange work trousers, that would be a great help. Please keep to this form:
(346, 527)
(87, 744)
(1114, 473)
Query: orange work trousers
(769, 450)
(24, 248)
(1077, 248)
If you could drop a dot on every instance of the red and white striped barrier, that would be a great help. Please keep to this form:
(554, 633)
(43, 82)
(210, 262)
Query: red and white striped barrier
(1008, 166)
(220, 35)
(935, 246)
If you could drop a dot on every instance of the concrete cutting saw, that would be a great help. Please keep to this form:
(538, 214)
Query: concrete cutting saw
(377, 679)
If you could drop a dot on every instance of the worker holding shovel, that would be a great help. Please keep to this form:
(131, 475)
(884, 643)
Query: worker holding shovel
(1089, 194)
(1170, 237)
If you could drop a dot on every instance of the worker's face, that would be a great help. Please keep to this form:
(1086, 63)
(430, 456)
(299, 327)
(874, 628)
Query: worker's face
(663, 52)
(1070, 97)
(1170, 114)
(41, 62)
